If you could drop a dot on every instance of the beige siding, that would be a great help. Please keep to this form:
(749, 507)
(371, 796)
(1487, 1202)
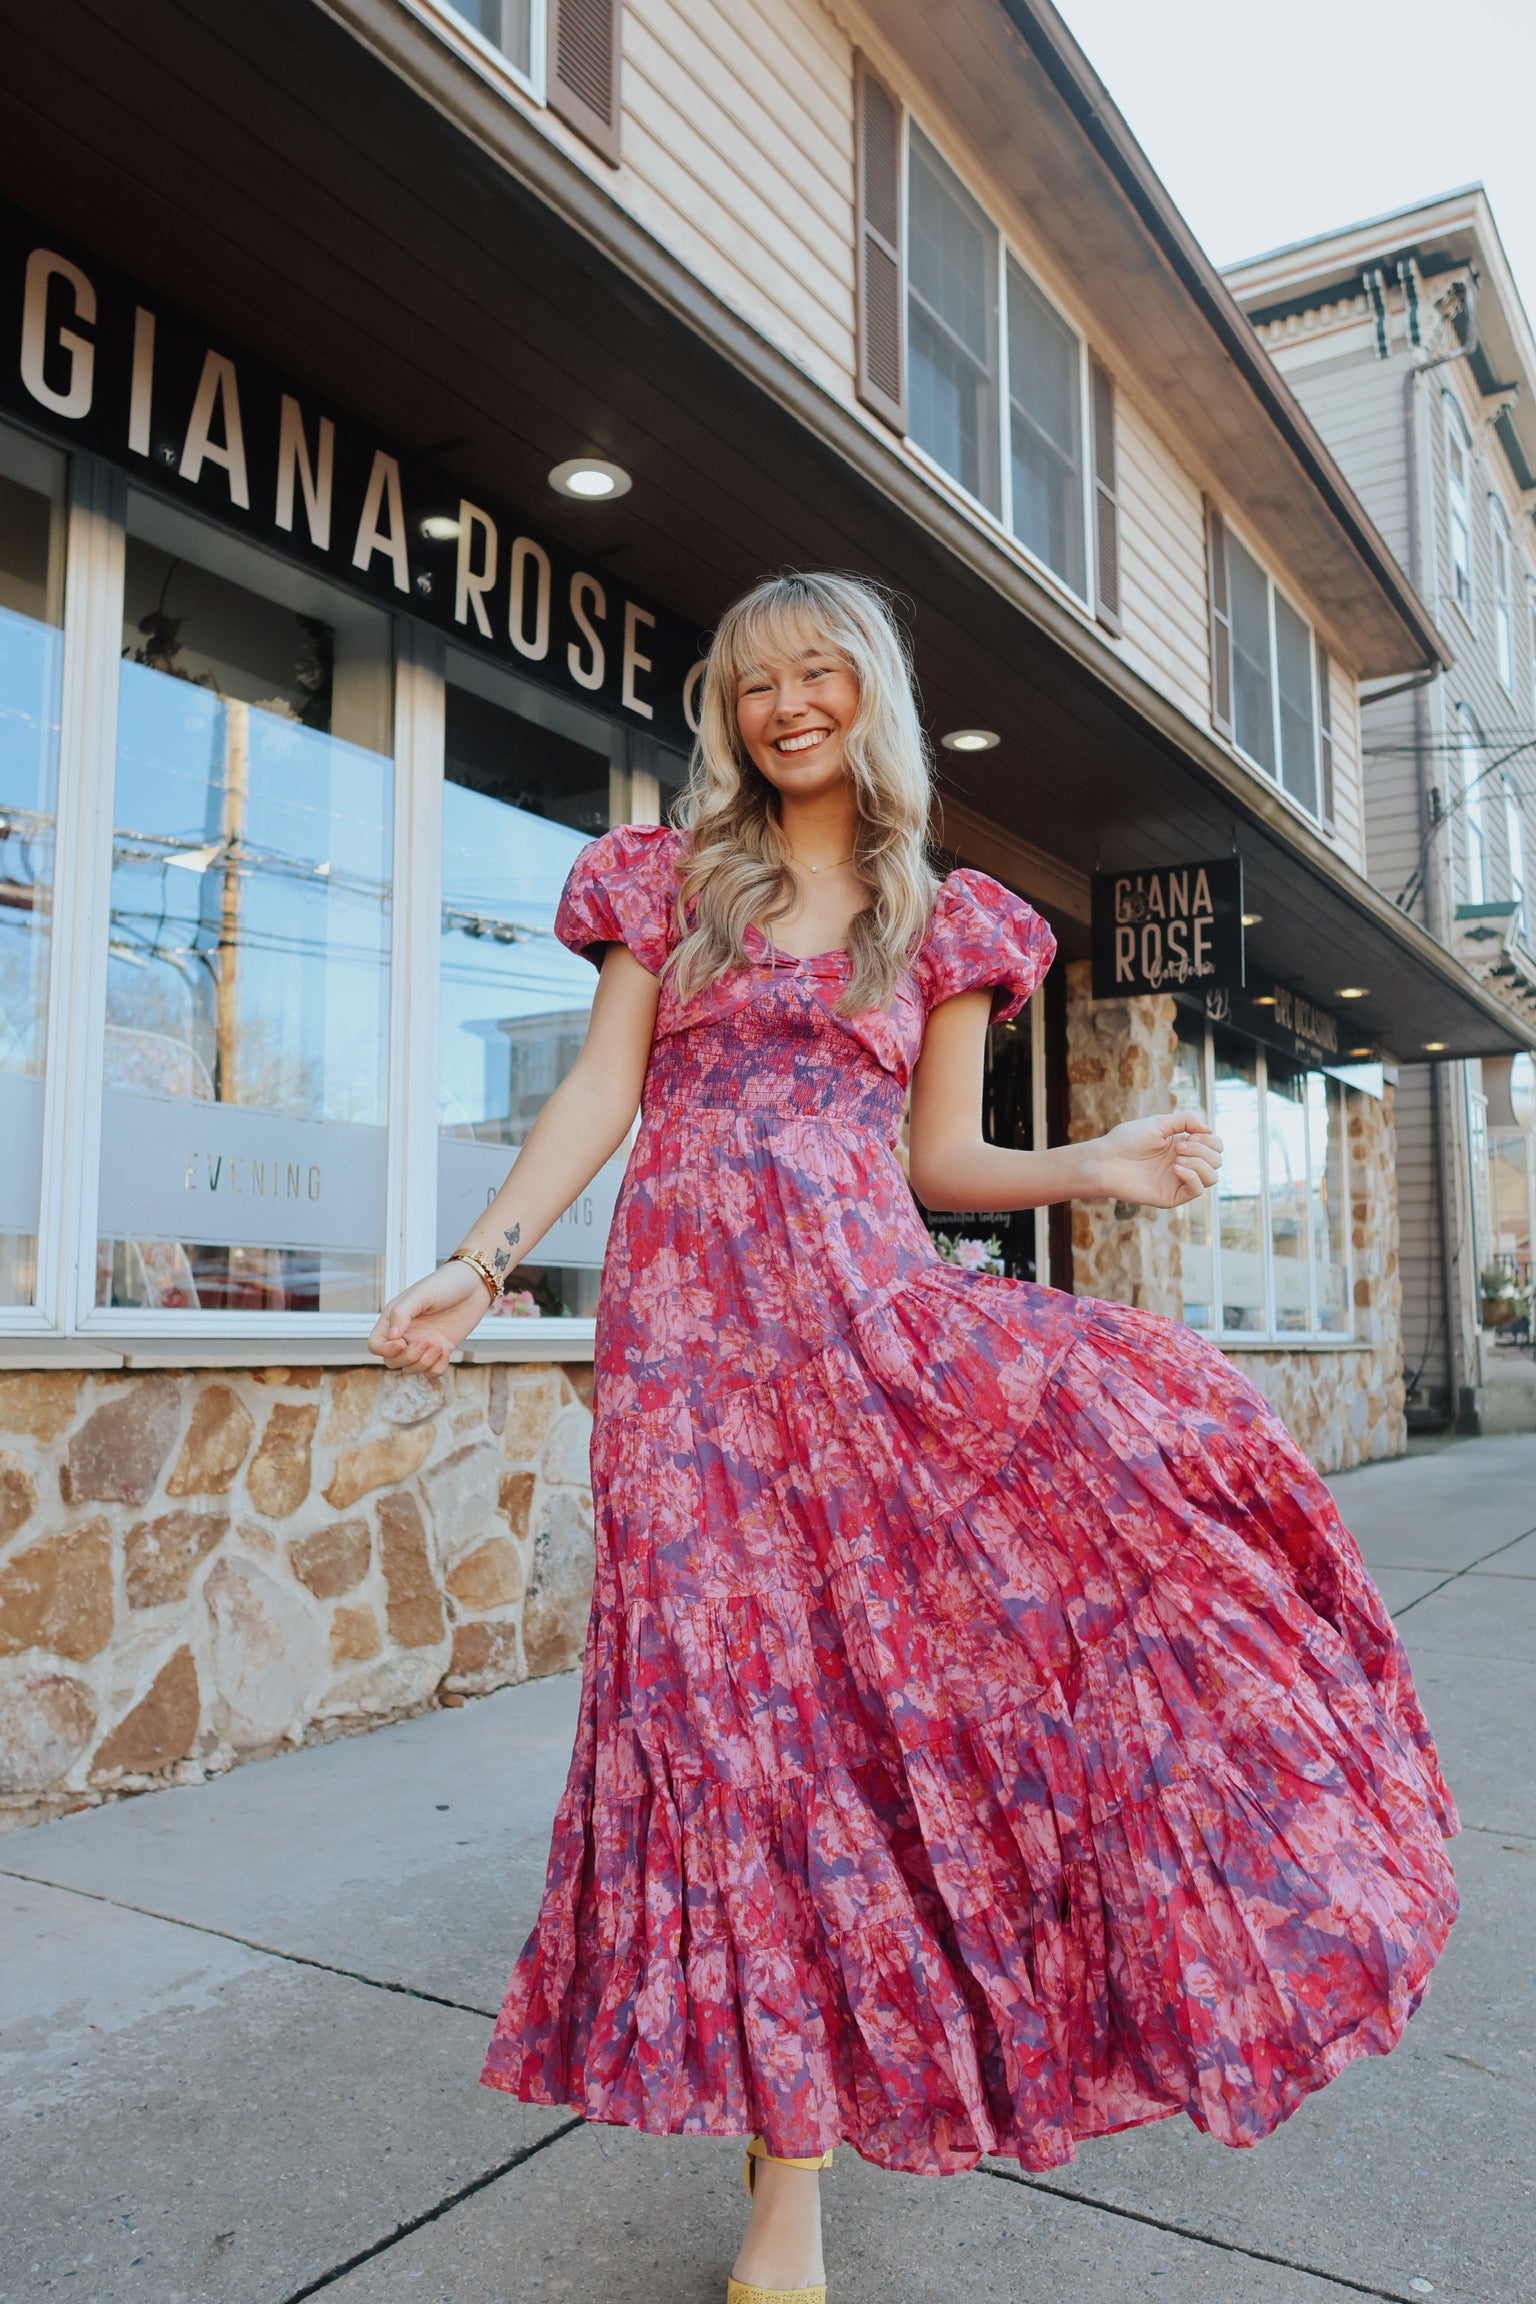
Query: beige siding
(738, 155)
(1358, 407)
(1392, 795)
(1351, 830)
(1162, 566)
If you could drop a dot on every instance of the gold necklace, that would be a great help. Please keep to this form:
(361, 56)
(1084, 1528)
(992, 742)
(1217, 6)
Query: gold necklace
(837, 867)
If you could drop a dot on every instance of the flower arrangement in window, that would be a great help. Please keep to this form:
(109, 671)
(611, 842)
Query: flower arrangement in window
(971, 1255)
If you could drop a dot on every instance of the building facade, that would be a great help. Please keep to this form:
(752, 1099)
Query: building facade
(1406, 341)
(372, 467)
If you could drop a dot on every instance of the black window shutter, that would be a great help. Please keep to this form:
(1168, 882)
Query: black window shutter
(1106, 500)
(1325, 731)
(882, 248)
(583, 79)
(1221, 620)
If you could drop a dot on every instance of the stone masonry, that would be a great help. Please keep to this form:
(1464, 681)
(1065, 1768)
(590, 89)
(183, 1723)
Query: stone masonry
(1344, 1406)
(204, 1567)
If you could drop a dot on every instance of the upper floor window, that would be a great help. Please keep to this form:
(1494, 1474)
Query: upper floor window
(961, 351)
(952, 290)
(1473, 808)
(1269, 687)
(1514, 844)
(506, 24)
(563, 53)
(1503, 601)
(1458, 499)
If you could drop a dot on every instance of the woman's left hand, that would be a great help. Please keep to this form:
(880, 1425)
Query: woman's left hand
(1163, 1162)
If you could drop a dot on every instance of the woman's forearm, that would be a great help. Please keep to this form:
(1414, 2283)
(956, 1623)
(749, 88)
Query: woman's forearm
(580, 1127)
(981, 1175)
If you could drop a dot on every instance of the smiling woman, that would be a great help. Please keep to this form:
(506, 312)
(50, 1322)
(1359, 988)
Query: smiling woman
(887, 1747)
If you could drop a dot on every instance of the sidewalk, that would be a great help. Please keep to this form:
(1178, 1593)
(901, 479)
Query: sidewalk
(242, 2023)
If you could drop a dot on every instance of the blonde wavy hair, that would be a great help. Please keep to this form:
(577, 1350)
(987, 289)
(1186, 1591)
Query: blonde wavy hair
(738, 872)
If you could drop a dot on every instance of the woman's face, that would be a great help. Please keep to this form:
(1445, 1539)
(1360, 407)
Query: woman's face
(794, 713)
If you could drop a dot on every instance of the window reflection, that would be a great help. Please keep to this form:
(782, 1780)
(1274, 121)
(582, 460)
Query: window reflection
(1269, 1252)
(1240, 1213)
(527, 785)
(1193, 1223)
(1329, 1202)
(248, 983)
(31, 601)
(1285, 1110)
(1045, 429)
(952, 324)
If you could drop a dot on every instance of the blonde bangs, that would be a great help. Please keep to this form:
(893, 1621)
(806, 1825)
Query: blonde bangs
(738, 872)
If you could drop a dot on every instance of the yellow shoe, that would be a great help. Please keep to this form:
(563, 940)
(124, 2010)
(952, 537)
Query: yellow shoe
(737, 2291)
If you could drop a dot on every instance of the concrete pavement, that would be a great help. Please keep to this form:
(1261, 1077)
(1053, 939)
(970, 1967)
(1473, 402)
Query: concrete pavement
(240, 2026)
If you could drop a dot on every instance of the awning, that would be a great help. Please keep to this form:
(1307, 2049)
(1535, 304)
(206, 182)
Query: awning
(432, 262)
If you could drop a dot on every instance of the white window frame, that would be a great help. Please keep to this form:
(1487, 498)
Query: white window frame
(1502, 551)
(1270, 1338)
(1276, 777)
(65, 1309)
(1458, 506)
(491, 62)
(1514, 852)
(1001, 520)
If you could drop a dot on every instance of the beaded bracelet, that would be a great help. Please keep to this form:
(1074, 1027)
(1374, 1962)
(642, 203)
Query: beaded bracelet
(477, 1264)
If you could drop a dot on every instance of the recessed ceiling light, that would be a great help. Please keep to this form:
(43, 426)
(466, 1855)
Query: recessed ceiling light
(1434, 1047)
(1252, 919)
(970, 740)
(1362, 1051)
(1352, 992)
(590, 480)
(1264, 1000)
(441, 527)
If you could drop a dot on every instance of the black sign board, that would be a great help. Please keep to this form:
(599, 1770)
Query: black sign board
(1175, 928)
(96, 362)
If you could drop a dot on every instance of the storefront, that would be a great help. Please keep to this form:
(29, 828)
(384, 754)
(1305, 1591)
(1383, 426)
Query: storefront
(314, 676)
(338, 833)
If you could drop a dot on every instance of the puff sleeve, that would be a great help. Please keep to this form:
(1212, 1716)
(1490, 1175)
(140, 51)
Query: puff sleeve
(983, 938)
(622, 889)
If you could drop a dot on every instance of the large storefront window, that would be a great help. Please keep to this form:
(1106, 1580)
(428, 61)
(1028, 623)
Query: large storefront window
(528, 779)
(31, 604)
(243, 1131)
(1267, 1255)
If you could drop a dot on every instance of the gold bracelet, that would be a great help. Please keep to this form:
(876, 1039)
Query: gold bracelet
(477, 1264)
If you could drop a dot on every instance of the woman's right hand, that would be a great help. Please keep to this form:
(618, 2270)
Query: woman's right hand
(426, 1323)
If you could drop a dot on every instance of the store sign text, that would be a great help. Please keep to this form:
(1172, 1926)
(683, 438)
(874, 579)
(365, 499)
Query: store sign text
(1173, 928)
(91, 359)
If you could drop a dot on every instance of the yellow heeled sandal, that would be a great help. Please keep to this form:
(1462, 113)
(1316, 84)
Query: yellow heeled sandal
(738, 2292)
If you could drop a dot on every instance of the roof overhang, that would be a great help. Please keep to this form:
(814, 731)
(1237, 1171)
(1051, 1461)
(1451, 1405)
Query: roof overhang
(419, 251)
(1454, 231)
(1019, 88)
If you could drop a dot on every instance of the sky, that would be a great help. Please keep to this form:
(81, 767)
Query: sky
(1268, 123)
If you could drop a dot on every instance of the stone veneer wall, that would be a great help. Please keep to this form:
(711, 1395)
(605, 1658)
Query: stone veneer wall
(1344, 1406)
(203, 1567)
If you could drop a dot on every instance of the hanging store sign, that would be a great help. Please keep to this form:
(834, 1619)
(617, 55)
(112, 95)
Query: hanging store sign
(1314, 1036)
(97, 362)
(1178, 928)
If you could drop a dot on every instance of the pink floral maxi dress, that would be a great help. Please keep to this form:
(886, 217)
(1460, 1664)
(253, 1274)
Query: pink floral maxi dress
(990, 1736)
